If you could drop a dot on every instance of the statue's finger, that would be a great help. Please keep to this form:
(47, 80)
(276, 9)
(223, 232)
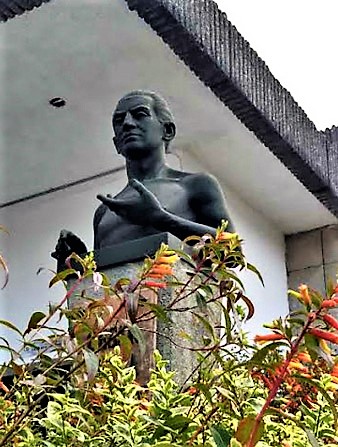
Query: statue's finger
(104, 199)
(112, 204)
(139, 187)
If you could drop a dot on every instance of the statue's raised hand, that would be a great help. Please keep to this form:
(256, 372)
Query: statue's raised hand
(142, 209)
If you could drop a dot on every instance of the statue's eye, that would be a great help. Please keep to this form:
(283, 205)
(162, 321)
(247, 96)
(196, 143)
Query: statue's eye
(141, 113)
(118, 120)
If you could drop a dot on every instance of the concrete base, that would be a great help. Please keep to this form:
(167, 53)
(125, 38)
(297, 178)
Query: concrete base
(173, 338)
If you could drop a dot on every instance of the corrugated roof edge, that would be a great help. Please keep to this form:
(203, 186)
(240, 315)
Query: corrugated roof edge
(201, 35)
(13, 8)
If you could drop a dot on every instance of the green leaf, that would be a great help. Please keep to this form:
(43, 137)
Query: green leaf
(245, 428)
(6, 347)
(208, 327)
(221, 436)
(200, 300)
(312, 345)
(253, 269)
(105, 280)
(316, 298)
(120, 283)
(34, 321)
(61, 276)
(159, 311)
(125, 346)
(139, 336)
(330, 286)
(10, 326)
(260, 354)
(235, 443)
(325, 394)
(163, 444)
(182, 254)
(296, 321)
(92, 363)
(177, 422)
(296, 421)
(205, 390)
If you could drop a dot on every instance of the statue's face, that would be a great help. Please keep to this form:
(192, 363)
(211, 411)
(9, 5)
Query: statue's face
(137, 128)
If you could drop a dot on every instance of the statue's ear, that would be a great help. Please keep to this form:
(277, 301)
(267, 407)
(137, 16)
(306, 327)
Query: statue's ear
(116, 146)
(169, 131)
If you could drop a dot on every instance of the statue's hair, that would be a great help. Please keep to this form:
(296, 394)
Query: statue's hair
(161, 107)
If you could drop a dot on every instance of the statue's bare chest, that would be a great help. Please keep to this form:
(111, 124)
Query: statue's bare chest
(171, 193)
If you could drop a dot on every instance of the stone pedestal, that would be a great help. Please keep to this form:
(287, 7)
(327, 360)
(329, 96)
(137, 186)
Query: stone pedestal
(172, 338)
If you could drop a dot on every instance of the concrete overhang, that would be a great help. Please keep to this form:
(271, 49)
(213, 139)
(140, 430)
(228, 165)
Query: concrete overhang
(90, 53)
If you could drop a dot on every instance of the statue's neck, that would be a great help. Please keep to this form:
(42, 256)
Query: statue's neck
(146, 168)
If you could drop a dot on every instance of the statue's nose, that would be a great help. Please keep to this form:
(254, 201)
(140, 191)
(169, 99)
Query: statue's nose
(129, 121)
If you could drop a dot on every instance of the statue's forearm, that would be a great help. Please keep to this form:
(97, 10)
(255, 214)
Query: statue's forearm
(181, 227)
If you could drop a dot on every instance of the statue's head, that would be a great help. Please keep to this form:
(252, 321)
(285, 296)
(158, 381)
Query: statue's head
(160, 115)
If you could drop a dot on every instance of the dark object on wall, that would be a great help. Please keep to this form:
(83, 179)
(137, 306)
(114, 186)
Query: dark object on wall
(67, 243)
(57, 102)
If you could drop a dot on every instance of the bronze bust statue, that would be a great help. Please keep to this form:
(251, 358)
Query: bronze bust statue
(156, 198)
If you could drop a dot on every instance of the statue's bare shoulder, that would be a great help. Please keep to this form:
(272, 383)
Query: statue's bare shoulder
(198, 183)
(206, 198)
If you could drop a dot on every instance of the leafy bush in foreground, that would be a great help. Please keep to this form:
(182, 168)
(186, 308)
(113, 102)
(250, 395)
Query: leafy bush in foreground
(80, 389)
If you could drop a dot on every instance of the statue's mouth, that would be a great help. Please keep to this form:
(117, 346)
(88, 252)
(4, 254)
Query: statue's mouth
(130, 136)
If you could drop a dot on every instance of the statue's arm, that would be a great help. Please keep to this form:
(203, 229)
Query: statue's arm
(208, 203)
(206, 200)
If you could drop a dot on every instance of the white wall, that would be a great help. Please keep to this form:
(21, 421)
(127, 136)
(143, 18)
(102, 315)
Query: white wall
(34, 227)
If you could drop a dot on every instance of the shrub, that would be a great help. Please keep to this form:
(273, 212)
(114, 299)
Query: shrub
(81, 390)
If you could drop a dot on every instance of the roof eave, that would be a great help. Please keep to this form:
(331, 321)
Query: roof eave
(201, 35)
(13, 8)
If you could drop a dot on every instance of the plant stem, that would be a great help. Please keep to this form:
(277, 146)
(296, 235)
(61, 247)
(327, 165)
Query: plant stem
(279, 379)
(11, 432)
